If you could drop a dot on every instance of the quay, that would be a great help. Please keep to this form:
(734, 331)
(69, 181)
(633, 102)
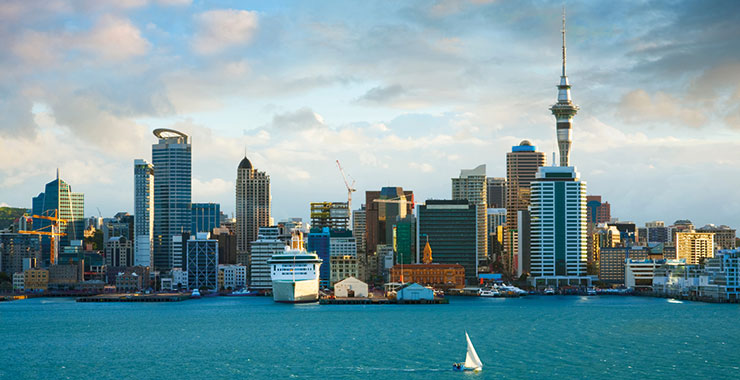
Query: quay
(162, 297)
(380, 301)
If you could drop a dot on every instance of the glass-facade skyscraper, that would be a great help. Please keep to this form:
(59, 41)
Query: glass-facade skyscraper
(58, 196)
(205, 217)
(172, 160)
(143, 212)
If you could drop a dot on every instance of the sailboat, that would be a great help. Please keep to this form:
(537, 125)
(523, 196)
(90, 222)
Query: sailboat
(472, 361)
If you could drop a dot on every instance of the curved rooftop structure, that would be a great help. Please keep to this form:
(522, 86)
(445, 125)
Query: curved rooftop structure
(525, 143)
(245, 164)
(166, 133)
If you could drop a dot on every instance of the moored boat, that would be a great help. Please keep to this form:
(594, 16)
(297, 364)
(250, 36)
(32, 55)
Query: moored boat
(295, 276)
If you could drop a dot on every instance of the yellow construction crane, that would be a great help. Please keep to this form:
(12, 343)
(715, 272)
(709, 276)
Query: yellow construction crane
(54, 226)
(350, 188)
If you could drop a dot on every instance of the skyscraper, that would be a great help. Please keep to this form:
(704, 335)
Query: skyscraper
(205, 217)
(521, 169)
(252, 207)
(558, 208)
(171, 157)
(450, 228)
(143, 212)
(471, 186)
(59, 198)
(496, 192)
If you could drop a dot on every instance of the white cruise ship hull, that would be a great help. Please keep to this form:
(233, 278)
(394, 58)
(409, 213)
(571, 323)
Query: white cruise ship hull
(295, 291)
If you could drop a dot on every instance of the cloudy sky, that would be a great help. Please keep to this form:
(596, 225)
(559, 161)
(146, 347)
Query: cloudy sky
(402, 93)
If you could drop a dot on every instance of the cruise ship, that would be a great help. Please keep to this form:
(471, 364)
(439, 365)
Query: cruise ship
(295, 276)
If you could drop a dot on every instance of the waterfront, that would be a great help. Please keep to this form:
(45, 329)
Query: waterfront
(252, 337)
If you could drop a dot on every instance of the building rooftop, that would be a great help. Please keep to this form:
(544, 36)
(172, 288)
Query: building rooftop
(245, 164)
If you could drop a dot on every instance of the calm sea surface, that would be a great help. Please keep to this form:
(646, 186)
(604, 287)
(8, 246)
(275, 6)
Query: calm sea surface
(254, 338)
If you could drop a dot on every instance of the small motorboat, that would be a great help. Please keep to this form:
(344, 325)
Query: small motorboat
(549, 291)
(195, 293)
(242, 293)
(590, 292)
(472, 362)
(489, 293)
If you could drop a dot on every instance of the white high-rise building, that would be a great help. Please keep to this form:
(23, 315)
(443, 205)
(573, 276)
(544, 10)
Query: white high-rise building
(262, 250)
(143, 212)
(558, 228)
(343, 246)
(472, 186)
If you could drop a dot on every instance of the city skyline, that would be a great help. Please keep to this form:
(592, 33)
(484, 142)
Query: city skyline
(648, 149)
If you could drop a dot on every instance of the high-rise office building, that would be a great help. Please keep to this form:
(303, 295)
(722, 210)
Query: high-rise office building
(521, 169)
(205, 217)
(471, 186)
(596, 210)
(252, 206)
(404, 240)
(359, 224)
(558, 207)
(450, 228)
(202, 261)
(58, 198)
(334, 215)
(496, 192)
(657, 232)
(143, 213)
(172, 160)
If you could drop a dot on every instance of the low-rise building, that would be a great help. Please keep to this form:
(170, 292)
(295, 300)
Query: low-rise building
(64, 276)
(232, 276)
(612, 262)
(350, 287)
(127, 282)
(444, 276)
(179, 278)
(414, 292)
(638, 274)
(36, 279)
(19, 279)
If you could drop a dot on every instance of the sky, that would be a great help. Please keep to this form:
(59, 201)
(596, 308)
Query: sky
(403, 93)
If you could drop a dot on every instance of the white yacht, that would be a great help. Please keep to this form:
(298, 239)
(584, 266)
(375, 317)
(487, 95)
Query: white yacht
(295, 276)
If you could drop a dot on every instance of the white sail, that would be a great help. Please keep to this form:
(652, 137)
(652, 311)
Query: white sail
(471, 359)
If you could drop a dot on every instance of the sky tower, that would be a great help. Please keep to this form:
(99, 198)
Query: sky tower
(564, 110)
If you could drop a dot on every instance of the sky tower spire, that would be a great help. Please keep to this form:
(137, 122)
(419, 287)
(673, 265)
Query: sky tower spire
(564, 111)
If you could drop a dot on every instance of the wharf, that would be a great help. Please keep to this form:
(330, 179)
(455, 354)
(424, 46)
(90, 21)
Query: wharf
(380, 301)
(162, 297)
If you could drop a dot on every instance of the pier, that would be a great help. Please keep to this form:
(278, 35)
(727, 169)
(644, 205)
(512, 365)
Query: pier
(163, 297)
(380, 301)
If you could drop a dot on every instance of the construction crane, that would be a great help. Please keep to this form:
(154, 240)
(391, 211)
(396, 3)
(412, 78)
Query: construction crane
(350, 188)
(54, 227)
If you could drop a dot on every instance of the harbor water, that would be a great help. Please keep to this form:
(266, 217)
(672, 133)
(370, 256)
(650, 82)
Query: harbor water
(534, 337)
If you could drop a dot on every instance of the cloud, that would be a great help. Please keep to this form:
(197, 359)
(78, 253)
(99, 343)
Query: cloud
(223, 28)
(114, 39)
(382, 94)
(423, 167)
(301, 119)
(639, 106)
(211, 189)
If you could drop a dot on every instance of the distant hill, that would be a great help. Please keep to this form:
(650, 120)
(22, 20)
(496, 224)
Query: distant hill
(9, 214)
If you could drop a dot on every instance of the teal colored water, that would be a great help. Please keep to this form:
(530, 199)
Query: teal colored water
(254, 338)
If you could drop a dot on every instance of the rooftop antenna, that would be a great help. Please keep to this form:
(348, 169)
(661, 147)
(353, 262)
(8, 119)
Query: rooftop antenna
(563, 32)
